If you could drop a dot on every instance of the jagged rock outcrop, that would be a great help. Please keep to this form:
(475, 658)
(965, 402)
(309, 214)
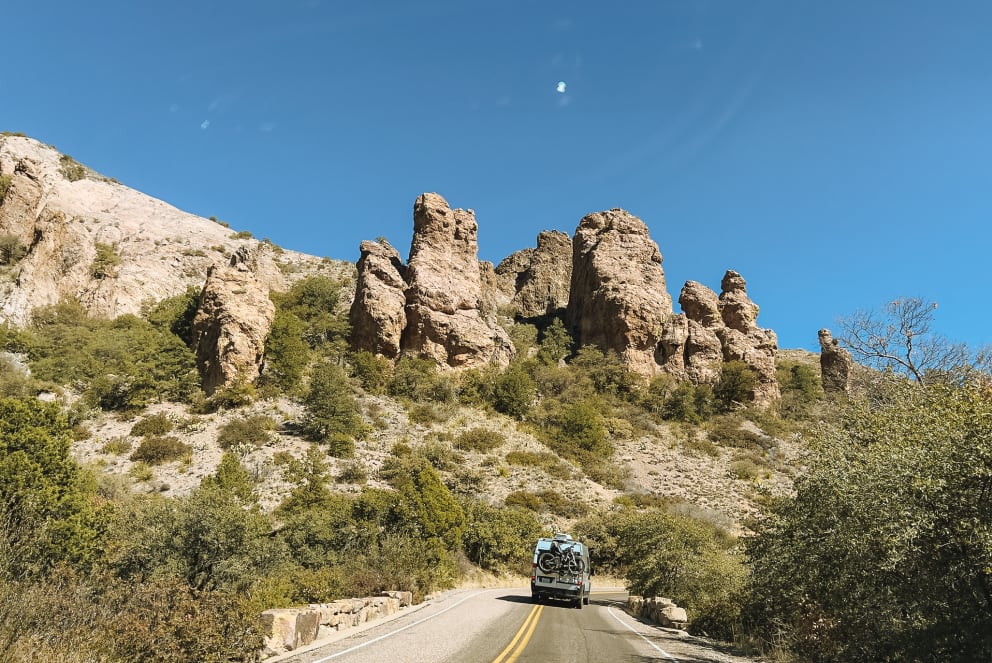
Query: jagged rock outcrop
(449, 296)
(233, 320)
(743, 340)
(618, 298)
(378, 312)
(444, 295)
(536, 280)
(59, 220)
(836, 364)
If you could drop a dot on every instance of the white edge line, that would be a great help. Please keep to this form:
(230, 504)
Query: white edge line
(641, 635)
(399, 630)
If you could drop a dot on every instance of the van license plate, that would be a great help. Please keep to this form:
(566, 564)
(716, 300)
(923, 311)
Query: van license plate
(544, 579)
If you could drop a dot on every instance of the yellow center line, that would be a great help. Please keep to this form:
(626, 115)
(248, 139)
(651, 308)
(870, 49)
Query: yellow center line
(528, 626)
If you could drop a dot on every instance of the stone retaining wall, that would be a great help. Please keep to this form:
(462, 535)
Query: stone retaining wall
(659, 610)
(286, 629)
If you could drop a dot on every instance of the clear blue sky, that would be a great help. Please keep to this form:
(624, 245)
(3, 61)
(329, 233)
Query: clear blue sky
(837, 154)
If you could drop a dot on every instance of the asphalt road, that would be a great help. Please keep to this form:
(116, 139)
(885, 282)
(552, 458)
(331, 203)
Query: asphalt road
(504, 626)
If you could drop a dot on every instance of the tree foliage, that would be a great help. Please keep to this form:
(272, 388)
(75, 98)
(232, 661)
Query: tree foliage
(885, 552)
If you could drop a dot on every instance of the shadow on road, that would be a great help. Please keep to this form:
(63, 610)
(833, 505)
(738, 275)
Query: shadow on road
(517, 598)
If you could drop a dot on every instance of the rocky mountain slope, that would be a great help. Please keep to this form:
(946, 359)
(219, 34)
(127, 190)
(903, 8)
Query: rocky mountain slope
(67, 232)
(76, 234)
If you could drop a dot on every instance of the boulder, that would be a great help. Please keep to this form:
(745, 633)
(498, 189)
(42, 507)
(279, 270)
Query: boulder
(836, 365)
(233, 320)
(445, 299)
(378, 312)
(618, 297)
(536, 281)
(286, 629)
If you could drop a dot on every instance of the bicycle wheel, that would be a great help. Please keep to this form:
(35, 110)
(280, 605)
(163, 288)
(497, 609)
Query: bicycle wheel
(547, 562)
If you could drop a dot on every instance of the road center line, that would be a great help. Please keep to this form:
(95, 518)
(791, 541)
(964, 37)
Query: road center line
(529, 625)
(399, 630)
(632, 630)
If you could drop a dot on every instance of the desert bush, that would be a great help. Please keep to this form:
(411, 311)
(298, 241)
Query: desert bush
(157, 449)
(689, 561)
(688, 403)
(546, 501)
(314, 301)
(479, 439)
(120, 364)
(549, 462)
(233, 477)
(286, 352)
(891, 518)
(239, 393)
(252, 431)
(46, 515)
(118, 446)
(735, 387)
(332, 415)
(106, 261)
(418, 380)
(153, 424)
(513, 392)
(500, 539)
(142, 471)
(175, 314)
(353, 473)
(427, 414)
(727, 431)
(12, 249)
(72, 169)
(608, 373)
(372, 371)
(5, 181)
(749, 467)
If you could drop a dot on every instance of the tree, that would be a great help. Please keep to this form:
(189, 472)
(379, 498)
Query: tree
(736, 386)
(513, 392)
(901, 339)
(885, 551)
(332, 416)
(44, 506)
(556, 344)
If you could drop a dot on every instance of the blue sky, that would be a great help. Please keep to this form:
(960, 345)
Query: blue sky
(836, 154)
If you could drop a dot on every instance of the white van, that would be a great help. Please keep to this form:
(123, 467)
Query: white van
(560, 570)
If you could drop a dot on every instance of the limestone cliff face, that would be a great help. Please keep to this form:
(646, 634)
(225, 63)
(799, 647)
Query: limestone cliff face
(618, 299)
(59, 217)
(449, 312)
(536, 280)
(233, 320)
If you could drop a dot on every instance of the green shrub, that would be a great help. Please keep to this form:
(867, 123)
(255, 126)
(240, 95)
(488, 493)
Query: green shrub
(688, 403)
(72, 169)
(556, 344)
(726, 431)
(153, 424)
(513, 392)
(735, 387)
(252, 431)
(332, 415)
(353, 473)
(156, 450)
(417, 379)
(175, 314)
(237, 394)
(427, 414)
(106, 261)
(500, 539)
(232, 476)
(479, 439)
(241, 234)
(549, 462)
(749, 467)
(117, 446)
(12, 249)
(5, 181)
(373, 372)
(546, 501)
(142, 471)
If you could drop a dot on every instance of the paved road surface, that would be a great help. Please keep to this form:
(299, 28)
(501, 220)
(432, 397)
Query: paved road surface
(504, 626)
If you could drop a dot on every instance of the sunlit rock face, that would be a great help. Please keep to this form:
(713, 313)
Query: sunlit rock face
(378, 312)
(449, 297)
(836, 364)
(536, 281)
(618, 299)
(232, 322)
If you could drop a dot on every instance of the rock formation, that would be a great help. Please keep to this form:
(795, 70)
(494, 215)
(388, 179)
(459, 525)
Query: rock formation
(378, 313)
(232, 322)
(618, 298)
(536, 281)
(743, 340)
(836, 365)
(450, 297)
